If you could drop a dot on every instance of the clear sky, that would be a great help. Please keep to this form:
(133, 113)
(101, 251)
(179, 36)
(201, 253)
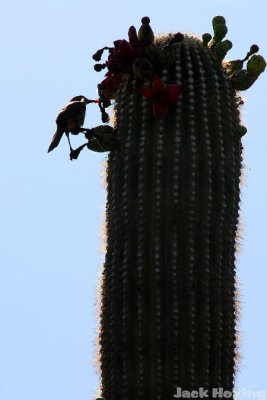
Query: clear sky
(51, 208)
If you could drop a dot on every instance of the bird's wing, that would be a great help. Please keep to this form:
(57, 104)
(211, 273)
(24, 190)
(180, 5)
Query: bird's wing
(71, 110)
(69, 118)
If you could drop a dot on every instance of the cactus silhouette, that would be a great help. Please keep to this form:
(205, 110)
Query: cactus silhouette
(168, 299)
(168, 286)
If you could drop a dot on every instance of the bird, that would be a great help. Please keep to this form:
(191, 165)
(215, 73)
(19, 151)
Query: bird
(70, 119)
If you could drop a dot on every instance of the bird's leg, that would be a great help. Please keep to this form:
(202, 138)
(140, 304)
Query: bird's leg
(74, 154)
(87, 132)
(68, 137)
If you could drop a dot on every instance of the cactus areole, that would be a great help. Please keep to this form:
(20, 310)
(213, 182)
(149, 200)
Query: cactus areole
(168, 293)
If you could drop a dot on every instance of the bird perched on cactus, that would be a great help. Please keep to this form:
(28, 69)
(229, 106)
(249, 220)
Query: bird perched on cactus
(168, 289)
(70, 119)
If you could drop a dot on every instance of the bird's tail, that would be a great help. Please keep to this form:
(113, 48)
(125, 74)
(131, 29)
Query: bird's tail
(56, 139)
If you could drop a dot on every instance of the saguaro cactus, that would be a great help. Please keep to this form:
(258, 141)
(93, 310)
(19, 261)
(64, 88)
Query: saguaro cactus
(168, 311)
(168, 300)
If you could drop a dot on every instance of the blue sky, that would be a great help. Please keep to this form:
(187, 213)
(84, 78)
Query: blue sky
(51, 209)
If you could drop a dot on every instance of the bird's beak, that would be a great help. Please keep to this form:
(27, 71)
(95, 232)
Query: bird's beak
(87, 101)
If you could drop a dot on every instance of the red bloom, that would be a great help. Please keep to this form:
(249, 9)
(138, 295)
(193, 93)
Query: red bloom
(162, 96)
(133, 38)
(122, 56)
(110, 84)
(124, 53)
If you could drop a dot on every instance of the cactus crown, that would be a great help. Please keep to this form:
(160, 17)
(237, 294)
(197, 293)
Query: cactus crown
(145, 57)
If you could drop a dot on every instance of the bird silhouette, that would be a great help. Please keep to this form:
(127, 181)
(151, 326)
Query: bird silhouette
(70, 119)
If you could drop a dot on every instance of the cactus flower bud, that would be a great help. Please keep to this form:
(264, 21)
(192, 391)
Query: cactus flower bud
(206, 38)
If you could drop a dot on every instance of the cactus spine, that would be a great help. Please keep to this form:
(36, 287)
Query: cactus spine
(168, 311)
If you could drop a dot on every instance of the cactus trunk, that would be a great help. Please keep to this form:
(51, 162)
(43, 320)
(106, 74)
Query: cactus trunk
(168, 290)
